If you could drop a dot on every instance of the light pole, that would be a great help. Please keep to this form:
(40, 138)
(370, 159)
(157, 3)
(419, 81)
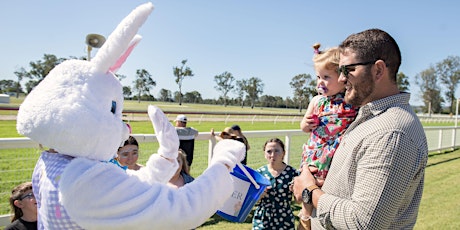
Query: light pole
(93, 41)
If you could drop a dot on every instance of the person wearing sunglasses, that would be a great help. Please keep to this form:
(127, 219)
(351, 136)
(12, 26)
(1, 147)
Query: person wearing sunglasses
(23, 207)
(376, 178)
(326, 119)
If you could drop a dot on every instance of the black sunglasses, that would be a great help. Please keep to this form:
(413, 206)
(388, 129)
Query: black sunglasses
(28, 195)
(344, 69)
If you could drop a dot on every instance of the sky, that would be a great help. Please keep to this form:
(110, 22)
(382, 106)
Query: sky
(267, 39)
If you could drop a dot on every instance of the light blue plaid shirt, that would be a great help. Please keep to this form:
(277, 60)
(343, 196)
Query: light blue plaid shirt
(51, 214)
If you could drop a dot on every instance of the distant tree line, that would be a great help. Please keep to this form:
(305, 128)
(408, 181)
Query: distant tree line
(437, 84)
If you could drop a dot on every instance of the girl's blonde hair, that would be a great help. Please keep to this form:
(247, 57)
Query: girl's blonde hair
(183, 156)
(328, 59)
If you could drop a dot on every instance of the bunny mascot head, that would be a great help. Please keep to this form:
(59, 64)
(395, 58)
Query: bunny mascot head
(81, 102)
(76, 110)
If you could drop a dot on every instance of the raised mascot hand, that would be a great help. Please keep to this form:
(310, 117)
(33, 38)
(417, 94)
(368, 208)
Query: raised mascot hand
(166, 133)
(228, 152)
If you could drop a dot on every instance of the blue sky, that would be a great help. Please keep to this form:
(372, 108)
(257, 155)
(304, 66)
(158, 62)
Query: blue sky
(267, 39)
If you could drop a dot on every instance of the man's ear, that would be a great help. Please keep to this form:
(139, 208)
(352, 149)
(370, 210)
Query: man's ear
(380, 69)
(18, 204)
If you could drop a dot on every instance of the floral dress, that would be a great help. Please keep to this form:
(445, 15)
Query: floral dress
(274, 211)
(334, 118)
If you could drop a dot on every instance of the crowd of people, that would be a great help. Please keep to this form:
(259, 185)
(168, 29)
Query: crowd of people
(362, 165)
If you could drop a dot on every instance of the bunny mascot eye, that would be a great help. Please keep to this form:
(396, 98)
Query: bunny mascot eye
(114, 107)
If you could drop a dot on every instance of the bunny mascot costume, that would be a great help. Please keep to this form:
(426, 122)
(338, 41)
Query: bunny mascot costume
(76, 110)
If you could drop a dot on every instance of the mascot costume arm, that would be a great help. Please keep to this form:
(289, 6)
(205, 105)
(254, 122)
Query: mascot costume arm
(162, 166)
(101, 196)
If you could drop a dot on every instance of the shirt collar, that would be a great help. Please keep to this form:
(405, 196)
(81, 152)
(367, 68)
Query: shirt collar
(378, 106)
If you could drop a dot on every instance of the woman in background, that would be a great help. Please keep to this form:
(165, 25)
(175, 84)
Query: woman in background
(274, 208)
(236, 130)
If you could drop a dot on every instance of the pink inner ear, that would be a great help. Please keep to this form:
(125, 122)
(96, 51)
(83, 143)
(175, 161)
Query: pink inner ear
(123, 58)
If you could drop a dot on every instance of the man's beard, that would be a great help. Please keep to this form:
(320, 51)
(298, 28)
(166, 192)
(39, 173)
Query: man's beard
(360, 91)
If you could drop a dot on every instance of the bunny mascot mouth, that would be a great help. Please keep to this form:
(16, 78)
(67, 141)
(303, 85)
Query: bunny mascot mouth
(77, 111)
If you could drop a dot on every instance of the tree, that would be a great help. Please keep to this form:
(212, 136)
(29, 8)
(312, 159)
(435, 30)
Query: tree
(7, 86)
(300, 86)
(193, 97)
(448, 71)
(180, 73)
(39, 70)
(271, 101)
(127, 92)
(254, 87)
(120, 76)
(30, 86)
(288, 102)
(143, 83)
(21, 74)
(311, 90)
(431, 94)
(403, 82)
(177, 96)
(165, 95)
(224, 84)
(240, 90)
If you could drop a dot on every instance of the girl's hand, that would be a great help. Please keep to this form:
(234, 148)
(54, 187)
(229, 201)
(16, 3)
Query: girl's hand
(311, 122)
(313, 170)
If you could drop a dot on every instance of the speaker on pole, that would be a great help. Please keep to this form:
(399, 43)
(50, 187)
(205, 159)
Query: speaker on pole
(94, 41)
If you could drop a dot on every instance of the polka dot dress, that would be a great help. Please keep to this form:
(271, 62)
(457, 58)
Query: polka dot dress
(274, 211)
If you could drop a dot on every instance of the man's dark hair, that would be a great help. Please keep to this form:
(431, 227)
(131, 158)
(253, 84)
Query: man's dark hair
(373, 45)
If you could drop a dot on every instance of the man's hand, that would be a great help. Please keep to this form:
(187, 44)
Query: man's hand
(304, 180)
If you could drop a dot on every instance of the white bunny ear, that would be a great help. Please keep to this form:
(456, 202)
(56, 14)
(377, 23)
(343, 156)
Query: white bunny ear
(125, 55)
(122, 41)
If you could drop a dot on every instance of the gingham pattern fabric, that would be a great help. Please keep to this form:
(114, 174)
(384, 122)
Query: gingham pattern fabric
(377, 175)
(48, 170)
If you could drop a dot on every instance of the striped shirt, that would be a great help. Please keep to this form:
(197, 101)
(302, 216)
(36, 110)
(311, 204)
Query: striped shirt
(186, 133)
(377, 174)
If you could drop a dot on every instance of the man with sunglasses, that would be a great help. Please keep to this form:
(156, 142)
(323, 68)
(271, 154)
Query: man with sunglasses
(376, 178)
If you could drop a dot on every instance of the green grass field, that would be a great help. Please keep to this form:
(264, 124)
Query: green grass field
(439, 208)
